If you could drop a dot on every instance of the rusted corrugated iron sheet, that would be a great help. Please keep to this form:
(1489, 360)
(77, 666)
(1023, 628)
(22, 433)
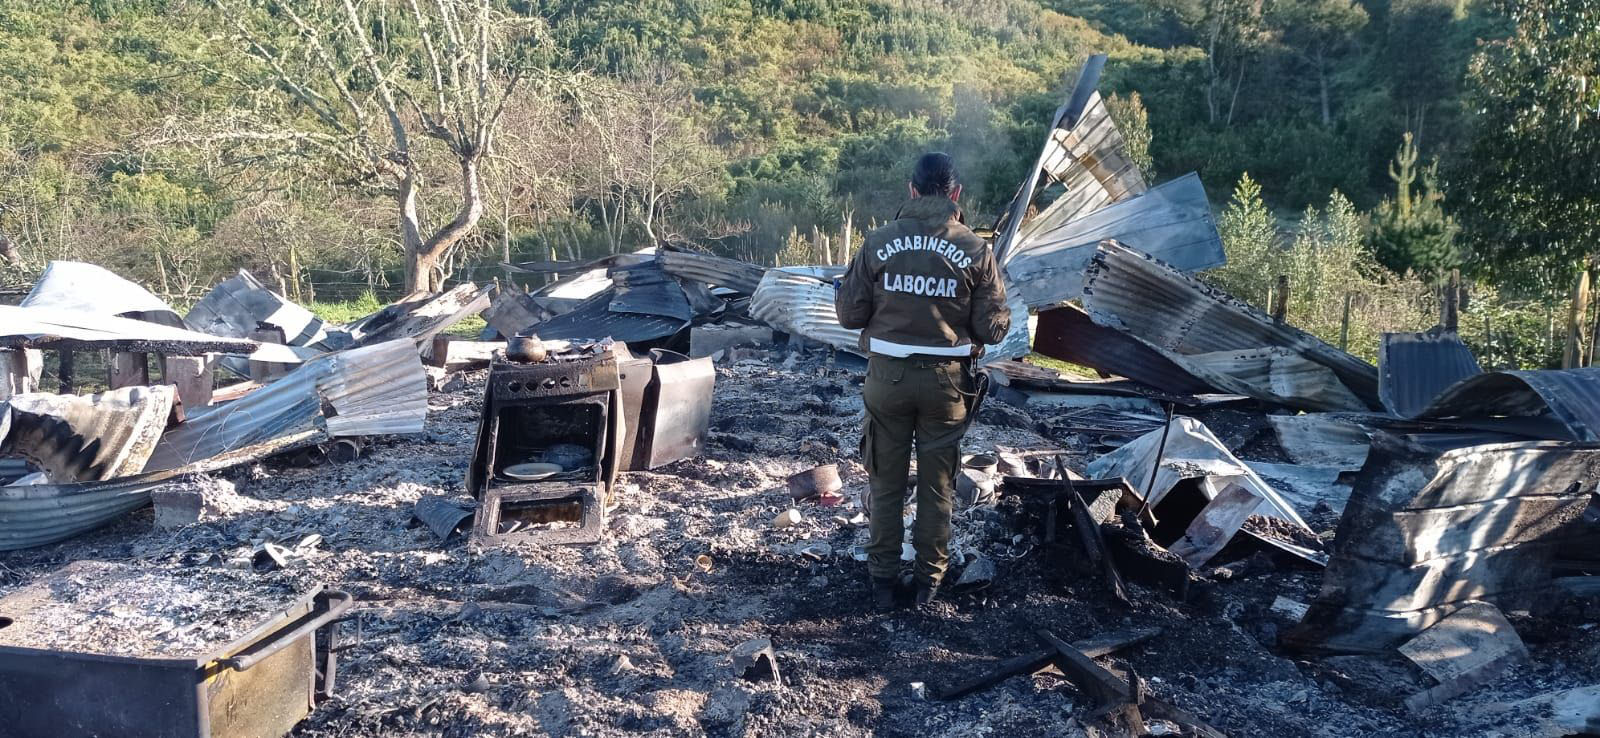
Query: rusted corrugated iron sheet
(1426, 532)
(1571, 397)
(1067, 333)
(1178, 314)
(74, 286)
(736, 275)
(1172, 222)
(379, 389)
(81, 438)
(1413, 368)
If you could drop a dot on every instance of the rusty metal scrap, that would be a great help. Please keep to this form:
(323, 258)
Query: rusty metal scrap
(1181, 316)
(1426, 532)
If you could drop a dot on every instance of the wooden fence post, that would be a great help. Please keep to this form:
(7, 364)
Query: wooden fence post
(844, 238)
(1450, 307)
(64, 371)
(1280, 299)
(1573, 356)
(1344, 322)
(19, 371)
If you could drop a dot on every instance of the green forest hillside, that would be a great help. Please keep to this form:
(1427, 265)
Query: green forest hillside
(178, 140)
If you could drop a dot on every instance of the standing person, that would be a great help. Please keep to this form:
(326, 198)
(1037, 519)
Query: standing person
(926, 293)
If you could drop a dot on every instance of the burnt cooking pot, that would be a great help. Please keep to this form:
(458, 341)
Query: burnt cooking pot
(526, 349)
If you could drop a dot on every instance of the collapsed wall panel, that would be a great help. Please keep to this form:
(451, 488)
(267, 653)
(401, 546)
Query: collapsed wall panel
(1182, 316)
(1426, 532)
(81, 438)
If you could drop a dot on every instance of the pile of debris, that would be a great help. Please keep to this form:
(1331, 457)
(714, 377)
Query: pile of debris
(1156, 544)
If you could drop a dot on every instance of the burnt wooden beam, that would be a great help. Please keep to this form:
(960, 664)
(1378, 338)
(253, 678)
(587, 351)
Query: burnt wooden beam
(1088, 528)
(1029, 663)
(1101, 684)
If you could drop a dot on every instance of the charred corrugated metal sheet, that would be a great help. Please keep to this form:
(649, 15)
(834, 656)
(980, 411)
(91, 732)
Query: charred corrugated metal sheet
(1413, 368)
(41, 514)
(593, 319)
(1150, 300)
(1426, 532)
(237, 305)
(74, 286)
(80, 438)
(512, 311)
(379, 389)
(1319, 440)
(647, 290)
(420, 319)
(1172, 222)
(1571, 397)
(1090, 161)
(1273, 374)
(736, 275)
(375, 390)
(804, 306)
(1067, 333)
(1084, 151)
(44, 328)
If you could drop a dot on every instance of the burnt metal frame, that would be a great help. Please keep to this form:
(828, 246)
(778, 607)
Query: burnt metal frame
(174, 697)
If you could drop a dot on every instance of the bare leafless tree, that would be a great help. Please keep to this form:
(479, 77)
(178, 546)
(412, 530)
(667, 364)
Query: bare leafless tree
(369, 92)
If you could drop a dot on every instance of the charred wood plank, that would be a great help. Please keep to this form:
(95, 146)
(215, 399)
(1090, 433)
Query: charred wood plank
(1029, 663)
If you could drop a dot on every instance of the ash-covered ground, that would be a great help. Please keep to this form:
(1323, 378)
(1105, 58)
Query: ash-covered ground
(632, 637)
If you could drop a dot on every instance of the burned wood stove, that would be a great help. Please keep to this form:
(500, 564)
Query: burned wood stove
(548, 445)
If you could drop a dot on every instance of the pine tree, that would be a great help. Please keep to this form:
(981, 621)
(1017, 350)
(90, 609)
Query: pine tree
(1411, 231)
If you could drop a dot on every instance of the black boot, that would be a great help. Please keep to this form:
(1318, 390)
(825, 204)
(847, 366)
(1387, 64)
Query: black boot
(926, 593)
(883, 591)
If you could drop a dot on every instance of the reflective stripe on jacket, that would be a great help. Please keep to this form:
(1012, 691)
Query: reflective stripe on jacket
(924, 285)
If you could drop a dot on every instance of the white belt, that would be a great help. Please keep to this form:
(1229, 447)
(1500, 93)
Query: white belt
(902, 350)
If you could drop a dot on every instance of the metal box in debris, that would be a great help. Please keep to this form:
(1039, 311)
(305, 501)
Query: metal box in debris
(258, 685)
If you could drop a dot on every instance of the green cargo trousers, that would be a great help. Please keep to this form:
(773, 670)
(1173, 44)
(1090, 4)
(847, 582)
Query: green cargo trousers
(927, 399)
